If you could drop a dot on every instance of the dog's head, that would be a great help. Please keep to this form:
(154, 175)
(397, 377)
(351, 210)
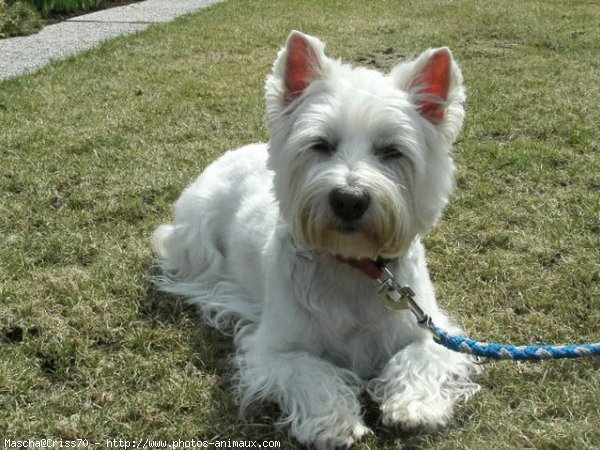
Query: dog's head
(361, 159)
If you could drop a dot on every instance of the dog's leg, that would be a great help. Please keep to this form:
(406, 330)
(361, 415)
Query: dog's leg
(318, 400)
(419, 386)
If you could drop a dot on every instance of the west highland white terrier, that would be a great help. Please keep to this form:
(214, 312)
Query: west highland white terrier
(282, 243)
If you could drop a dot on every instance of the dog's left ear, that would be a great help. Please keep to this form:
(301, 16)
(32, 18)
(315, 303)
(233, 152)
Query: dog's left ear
(435, 84)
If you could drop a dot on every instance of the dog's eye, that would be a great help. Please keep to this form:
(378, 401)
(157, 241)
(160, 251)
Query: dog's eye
(322, 146)
(389, 152)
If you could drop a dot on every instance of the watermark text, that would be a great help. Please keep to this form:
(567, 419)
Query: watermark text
(137, 443)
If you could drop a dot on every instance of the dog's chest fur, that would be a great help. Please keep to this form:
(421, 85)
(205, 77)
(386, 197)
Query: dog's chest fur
(341, 313)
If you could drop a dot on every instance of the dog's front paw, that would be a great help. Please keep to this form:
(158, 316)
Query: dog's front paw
(350, 436)
(327, 433)
(416, 415)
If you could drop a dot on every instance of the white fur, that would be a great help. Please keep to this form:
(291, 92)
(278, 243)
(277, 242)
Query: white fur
(253, 241)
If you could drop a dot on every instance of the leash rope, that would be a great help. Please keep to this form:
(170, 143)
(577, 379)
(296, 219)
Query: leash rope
(504, 351)
(395, 297)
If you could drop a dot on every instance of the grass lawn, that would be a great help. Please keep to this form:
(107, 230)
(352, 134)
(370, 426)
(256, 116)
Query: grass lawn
(94, 150)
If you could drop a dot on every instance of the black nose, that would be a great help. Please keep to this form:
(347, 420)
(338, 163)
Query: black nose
(349, 204)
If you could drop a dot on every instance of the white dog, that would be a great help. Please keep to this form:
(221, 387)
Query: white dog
(282, 242)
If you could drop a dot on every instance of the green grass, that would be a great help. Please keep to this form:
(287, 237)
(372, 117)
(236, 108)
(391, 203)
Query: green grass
(54, 7)
(18, 19)
(94, 150)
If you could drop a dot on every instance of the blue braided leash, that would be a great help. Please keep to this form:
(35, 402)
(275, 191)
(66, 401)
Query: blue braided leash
(503, 351)
(395, 297)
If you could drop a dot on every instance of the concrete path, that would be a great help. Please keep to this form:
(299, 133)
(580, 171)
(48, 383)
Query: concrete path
(27, 54)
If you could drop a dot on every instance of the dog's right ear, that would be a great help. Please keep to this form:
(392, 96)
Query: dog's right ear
(298, 64)
(302, 64)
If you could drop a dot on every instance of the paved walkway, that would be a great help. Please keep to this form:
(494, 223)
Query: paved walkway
(27, 54)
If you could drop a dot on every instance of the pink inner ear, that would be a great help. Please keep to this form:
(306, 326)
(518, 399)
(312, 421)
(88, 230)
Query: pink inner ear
(434, 80)
(300, 68)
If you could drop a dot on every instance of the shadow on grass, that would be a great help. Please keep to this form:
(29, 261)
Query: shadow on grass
(213, 351)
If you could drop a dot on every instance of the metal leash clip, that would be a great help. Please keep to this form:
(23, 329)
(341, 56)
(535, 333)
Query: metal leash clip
(391, 294)
(397, 298)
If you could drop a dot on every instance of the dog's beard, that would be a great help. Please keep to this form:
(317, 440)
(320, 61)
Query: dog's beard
(343, 243)
(380, 233)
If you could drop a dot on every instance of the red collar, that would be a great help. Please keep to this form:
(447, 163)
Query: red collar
(372, 269)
